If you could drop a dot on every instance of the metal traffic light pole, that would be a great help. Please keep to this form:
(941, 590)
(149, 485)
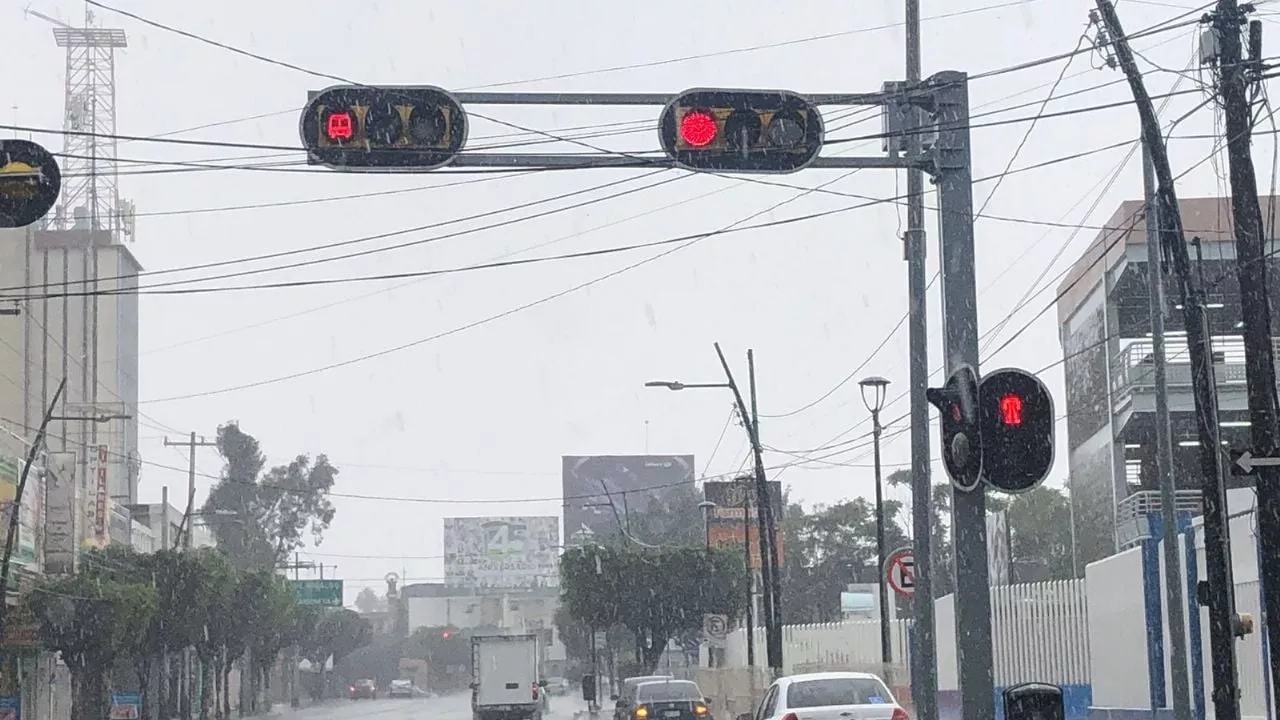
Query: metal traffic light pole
(945, 95)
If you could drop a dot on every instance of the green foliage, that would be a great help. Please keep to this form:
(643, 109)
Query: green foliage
(275, 509)
(828, 548)
(657, 594)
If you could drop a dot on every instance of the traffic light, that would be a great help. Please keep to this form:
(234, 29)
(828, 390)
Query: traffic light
(1017, 426)
(366, 128)
(29, 182)
(750, 131)
(444, 635)
(962, 441)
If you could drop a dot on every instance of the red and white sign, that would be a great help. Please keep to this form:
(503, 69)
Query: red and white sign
(100, 499)
(900, 572)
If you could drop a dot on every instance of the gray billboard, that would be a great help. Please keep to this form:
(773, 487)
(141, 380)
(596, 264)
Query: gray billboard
(600, 491)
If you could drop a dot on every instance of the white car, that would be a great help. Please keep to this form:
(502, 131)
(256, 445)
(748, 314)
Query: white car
(400, 688)
(828, 696)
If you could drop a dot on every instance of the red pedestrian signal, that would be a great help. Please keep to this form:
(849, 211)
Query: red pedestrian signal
(750, 131)
(383, 128)
(1011, 410)
(1016, 414)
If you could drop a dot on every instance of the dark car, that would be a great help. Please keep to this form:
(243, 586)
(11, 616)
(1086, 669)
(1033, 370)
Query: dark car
(623, 701)
(669, 700)
(363, 689)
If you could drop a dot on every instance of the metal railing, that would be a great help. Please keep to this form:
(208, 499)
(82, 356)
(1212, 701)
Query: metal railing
(1133, 368)
(1132, 513)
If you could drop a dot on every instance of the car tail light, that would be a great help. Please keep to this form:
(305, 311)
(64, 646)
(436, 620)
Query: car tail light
(641, 713)
(793, 716)
(535, 691)
(700, 710)
(900, 714)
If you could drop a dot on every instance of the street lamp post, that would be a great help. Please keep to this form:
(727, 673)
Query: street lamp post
(873, 396)
(771, 583)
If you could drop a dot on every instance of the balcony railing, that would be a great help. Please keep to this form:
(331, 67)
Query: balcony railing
(1132, 513)
(1134, 367)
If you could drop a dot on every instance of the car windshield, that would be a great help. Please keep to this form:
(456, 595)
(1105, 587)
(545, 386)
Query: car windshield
(837, 691)
(667, 691)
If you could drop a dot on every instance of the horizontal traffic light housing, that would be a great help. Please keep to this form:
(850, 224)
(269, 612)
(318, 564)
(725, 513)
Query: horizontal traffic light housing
(383, 128)
(747, 131)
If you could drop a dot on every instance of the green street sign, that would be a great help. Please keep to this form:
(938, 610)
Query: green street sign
(317, 592)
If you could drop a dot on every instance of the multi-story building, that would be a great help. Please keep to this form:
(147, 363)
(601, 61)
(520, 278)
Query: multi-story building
(1105, 328)
(73, 315)
(154, 516)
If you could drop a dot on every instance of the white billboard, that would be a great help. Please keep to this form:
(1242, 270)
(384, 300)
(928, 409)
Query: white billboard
(502, 553)
(60, 514)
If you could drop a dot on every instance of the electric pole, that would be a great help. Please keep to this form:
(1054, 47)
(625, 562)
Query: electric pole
(1221, 589)
(1234, 82)
(191, 443)
(924, 669)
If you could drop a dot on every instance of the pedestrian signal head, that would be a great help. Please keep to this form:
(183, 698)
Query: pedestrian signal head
(750, 131)
(962, 440)
(1016, 413)
(367, 128)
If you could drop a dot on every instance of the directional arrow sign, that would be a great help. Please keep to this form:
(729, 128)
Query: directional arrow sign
(1244, 462)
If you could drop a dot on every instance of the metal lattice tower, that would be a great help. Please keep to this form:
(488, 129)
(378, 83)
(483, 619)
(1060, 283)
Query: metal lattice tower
(90, 195)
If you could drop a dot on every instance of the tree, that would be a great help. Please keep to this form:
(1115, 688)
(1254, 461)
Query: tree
(264, 609)
(368, 601)
(657, 594)
(1040, 535)
(828, 548)
(92, 619)
(274, 509)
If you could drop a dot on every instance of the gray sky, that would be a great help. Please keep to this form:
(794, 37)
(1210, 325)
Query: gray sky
(485, 413)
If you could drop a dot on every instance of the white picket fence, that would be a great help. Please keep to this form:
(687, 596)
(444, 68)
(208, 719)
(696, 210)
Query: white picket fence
(1040, 632)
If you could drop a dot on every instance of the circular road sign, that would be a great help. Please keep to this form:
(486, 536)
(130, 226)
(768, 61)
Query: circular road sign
(900, 572)
(715, 625)
(29, 182)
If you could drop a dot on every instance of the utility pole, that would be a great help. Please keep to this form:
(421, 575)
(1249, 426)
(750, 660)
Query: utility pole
(773, 647)
(769, 532)
(751, 576)
(924, 669)
(15, 510)
(1174, 603)
(1234, 82)
(1221, 589)
(191, 443)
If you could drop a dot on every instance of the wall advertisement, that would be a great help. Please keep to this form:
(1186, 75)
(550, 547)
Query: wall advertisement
(736, 498)
(101, 498)
(502, 553)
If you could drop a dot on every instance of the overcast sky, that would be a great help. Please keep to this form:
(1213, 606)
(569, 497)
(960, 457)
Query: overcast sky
(461, 414)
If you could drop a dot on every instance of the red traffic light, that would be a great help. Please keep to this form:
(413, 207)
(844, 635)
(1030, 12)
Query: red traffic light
(746, 131)
(339, 126)
(1011, 410)
(445, 635)
(382, 128)
(698, 128)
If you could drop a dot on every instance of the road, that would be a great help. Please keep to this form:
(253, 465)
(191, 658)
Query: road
(450, 707)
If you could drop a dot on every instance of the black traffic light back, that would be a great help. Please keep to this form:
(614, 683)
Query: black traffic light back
(751, 131)
(1016, 414)
(30, 181)
(372, 128)
(962, 441)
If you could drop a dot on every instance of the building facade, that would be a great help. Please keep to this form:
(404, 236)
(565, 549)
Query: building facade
(1104, 320)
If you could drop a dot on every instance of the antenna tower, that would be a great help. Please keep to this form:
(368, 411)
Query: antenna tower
(90, 194)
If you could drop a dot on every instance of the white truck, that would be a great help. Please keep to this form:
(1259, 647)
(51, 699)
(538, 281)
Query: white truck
(506, 682)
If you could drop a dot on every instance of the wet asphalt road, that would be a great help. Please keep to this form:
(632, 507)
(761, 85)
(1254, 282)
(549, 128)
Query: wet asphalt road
(449, 707)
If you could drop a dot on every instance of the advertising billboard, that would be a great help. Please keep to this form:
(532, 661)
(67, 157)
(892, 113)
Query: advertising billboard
(24, 552)
(733, 499)
(502, 553)
(60, 514)
(601, 489)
